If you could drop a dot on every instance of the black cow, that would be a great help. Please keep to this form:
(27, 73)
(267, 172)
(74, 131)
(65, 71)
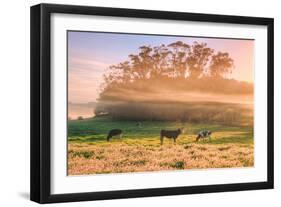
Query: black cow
(171, 134)
(114, 132)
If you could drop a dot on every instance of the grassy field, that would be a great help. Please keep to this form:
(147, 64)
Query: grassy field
(139, 149)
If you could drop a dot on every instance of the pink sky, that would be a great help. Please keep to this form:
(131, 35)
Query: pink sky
(90, 54)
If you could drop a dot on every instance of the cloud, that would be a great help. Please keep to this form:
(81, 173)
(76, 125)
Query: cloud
(84, 78)
(86, 64)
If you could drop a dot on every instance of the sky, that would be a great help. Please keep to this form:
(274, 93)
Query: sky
(91, 53)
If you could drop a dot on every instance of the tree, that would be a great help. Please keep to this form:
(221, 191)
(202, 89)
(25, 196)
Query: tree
(160, 61)
(141, 63)
(198, 57)
(221, 64)
(80, 118)
(179, 51)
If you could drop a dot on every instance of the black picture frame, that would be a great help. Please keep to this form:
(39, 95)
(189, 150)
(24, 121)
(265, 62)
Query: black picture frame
(41, 99)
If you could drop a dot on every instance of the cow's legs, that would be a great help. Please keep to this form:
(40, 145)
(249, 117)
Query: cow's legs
(174, 140)
(161, 139)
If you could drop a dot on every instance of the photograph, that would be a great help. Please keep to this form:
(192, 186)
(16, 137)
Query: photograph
(156, 102)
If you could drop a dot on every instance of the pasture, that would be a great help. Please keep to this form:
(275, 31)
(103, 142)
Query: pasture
(139, 149)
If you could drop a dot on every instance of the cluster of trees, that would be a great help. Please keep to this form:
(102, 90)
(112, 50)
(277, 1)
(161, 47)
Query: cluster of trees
(177, 60)
(132, 89)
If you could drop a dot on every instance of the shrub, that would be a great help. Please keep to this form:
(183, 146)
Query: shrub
(80, 118)
(85, 154)
(178, 165)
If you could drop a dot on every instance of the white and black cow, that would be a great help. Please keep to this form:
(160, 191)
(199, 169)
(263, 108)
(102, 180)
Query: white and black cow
(203, 135)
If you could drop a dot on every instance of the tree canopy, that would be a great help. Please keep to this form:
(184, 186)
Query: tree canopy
(164, 82)
(176, 60)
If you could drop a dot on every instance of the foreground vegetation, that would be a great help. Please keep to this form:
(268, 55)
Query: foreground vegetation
(139, 149)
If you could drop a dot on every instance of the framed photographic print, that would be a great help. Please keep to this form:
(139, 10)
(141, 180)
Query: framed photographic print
(133, 103)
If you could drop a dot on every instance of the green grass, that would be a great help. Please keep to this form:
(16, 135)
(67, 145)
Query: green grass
(94, 131)
(139, 149)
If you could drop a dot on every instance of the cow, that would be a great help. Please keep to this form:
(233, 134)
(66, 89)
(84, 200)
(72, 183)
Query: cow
(204, 134)
(171, 134)
(114, 132)
(139, 124)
